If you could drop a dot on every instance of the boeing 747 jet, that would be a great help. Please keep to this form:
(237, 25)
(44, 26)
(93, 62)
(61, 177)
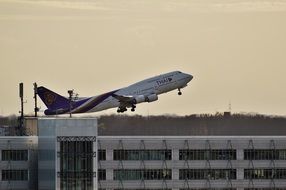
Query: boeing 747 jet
(144, 91)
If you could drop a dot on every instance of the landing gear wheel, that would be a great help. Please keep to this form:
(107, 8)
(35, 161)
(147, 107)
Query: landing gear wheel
(179, 93)
(133, 108)
(121, 110)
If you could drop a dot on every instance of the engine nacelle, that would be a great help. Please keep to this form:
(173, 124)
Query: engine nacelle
(139, 99)
(151, 98)
(142, 98)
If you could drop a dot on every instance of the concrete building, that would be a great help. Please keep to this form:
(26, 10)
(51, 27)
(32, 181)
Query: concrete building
(67, 153)
(192, 162)
(18, 162)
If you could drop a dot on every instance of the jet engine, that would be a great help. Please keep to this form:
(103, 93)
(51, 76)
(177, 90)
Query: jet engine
(151, 98)
(139, 99)
(142, 98)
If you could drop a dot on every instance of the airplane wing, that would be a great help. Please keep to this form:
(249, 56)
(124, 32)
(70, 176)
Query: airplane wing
(124, 99)
(132, 100)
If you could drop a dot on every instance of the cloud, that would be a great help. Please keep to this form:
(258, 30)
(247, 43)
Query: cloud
(255, 5)
(226, 5)
(50, 10)
(163, 5)
(85, 5)
(24, 9)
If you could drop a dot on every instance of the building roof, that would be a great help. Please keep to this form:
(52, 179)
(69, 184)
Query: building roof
(192, 125)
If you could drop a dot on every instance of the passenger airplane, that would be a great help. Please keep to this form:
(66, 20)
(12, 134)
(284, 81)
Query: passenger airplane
(128, 97)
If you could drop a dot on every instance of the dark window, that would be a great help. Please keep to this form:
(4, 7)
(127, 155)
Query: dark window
(265, 154)
(212, 174)
(14, 155)
(150, 174)
(265, 188)
(14, 175)
(142, 154)
(265, 173)
(101, 174)
(76, 164)
(144, 189)
(101, 154)
(206, 154)
(209, 189)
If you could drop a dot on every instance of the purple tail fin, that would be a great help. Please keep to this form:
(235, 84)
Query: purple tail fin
(52, 100)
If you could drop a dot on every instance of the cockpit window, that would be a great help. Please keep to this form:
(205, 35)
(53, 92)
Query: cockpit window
(179, 72)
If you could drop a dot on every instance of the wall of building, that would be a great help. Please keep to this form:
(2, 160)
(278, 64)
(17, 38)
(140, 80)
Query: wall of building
(144, 162)
(31, 126)
(62, 153)
(18, 162)
(177, 163)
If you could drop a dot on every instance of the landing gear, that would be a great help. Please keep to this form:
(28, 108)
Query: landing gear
(179, 93)
(121, 109)
(133, 108)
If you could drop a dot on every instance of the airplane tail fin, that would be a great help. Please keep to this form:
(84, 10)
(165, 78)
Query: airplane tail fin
(51, 99)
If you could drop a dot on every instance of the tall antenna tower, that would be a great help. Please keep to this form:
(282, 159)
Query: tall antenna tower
(229, 106)
(21, 95)
(70, 92)
(36, 109)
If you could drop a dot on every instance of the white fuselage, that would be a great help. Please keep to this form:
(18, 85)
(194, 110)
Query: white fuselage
(155, 85)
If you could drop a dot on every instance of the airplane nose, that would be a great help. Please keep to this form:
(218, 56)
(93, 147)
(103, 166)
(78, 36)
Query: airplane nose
(189, 77)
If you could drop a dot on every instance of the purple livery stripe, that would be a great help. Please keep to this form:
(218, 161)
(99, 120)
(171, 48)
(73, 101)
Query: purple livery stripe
(94, 102)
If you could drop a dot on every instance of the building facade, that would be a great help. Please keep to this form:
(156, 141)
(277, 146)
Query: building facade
(18, 162)
(68, 154)
(192, 162)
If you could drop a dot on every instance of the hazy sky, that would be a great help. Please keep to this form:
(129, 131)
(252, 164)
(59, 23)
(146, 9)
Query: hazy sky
(235, 49)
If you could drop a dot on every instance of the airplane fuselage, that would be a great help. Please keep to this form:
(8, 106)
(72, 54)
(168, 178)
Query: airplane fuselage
(158, 85)
(144, 91)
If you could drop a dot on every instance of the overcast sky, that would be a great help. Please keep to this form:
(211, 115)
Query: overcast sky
(236, 51)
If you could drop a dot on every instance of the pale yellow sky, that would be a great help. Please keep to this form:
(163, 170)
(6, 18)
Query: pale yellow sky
(236, 51)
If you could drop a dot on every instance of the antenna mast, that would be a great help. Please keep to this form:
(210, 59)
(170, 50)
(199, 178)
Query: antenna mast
(229, 106)
(21, 95)
(36, 109)
(70, 92)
